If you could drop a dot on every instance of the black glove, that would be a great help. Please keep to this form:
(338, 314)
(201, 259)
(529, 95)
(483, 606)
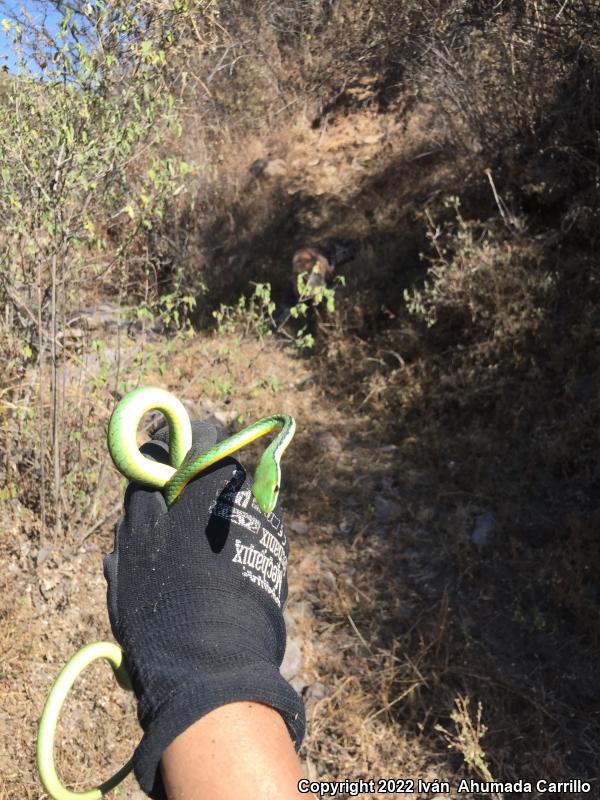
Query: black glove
(195, 598)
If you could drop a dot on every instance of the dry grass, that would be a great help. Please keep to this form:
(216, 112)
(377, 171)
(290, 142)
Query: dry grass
(396, 613)
(433, 658)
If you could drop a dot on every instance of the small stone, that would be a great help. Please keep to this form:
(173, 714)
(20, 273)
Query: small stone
(276, 168)
(42, 555)
(384, 508)
(292, 660)
(326, 443)
(299, 684)
(225, 418)
(329, 580)
(290, 622)
(485, 529)
(257, 167)
(307, 565)
(298, 526)
(302, 610)
(45, 589)
(312, 695)
(310, 770)
(39, 604)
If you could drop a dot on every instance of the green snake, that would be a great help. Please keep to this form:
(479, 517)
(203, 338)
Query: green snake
(171, 479)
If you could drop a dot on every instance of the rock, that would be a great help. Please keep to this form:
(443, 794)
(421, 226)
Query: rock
(307, 565)
(105, 316)
(276, 168)
(42, 555)
(292, 660)
(326, 443)
(39, 604)
(222, 430)
(310, 770)
(329, 580)
(312, 695)
(299, 684)
(268, 167)
(484, 531)
(290, 622)
(302, 610)
(298, 526)
(384, 508)
(45, 589)
(225, 418)
(257, 167)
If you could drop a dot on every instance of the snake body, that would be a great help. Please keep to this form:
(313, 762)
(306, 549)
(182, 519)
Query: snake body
(184, 464)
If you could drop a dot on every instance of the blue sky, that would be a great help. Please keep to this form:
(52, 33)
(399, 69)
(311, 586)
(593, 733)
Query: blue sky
(38, 11)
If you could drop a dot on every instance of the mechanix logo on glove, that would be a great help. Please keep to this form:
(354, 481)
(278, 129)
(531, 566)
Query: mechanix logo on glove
(262, 552)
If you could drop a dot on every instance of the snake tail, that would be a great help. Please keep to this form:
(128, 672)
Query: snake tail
(49, 720)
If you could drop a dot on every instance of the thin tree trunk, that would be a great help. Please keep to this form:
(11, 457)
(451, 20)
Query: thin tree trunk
(55, 406)
(56, 417)
(42, 455)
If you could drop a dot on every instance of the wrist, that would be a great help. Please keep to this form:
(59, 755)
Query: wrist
(239, 750)
(258, 684)
(228, 649)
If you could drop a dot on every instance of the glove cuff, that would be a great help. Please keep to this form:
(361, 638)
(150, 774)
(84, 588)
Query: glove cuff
(260, 683)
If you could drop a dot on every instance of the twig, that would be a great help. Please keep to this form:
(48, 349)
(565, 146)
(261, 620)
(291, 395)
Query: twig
(508, 218)
(358, 633)
(114, 510)
(393, 702)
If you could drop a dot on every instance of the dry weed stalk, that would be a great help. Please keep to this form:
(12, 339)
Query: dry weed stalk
(467, 738)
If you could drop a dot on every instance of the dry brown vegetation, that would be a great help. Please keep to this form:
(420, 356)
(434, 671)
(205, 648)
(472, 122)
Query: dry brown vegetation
(456, 144)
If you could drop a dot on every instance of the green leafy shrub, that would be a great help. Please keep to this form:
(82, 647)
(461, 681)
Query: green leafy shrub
(82, 184)
(256, 315)
(481, 279)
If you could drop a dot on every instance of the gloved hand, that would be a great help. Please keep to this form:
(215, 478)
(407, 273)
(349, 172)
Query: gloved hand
(195, 598)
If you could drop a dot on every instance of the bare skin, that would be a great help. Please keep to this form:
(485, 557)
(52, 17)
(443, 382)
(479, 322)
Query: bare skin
(239, 750)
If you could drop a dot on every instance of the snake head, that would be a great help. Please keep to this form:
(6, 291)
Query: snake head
(266, 485)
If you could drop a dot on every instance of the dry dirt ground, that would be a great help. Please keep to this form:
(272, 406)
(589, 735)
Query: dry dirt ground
(381, 569)
(53, 603)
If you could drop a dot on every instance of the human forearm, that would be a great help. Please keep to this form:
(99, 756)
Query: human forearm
(241, 749)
